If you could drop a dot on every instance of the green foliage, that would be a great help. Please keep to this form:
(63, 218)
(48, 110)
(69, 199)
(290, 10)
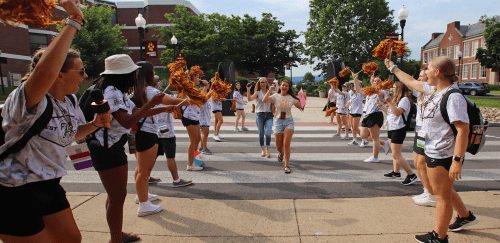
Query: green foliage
(99, 39)
(345, 30)
(490, 58)
(310, 89)
(322, 87)
(84, 85)
(300, 85)
(239, 78)
(494, 87)
(7, 92)
(309, 77)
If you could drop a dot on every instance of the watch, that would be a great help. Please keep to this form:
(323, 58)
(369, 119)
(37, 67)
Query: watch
(458, 158)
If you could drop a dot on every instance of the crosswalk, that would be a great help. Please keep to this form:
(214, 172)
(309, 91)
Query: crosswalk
(317, 159)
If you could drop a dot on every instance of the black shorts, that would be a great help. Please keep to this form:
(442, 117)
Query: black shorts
(145, 141)
(417, 149)
(355, 115)
(397, 136)
(108, 158)
(433, 163)
(373, 119)
(23, 207)
(215, 111)
(167, 146)
(188, 122)
(240, 109)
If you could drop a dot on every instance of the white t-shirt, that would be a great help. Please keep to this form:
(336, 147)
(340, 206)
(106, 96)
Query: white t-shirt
(151, 123)
(205, 114)
(341, 102)
(419, 106)
(216, 106)
(396, 122)
(117, 101)
(332, 99)
(261, 106)
(44, 156)
(283, 103)
(371, 103)
(439, 138)
(356, 103)
(191, 112)
(168, 120)
(237, 95)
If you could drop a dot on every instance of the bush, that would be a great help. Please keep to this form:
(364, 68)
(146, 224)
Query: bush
(84, 85)
(494, 87)
(310, 89)
(322, 87)
(300, 85)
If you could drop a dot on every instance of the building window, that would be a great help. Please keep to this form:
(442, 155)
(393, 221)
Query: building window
(37, 41)
(482, 72)
(435, 53)
(475, 45)
(457, 49)
(450, 51)
(465, 71)
(483, 43)
(425, 57)
(430, 56)
(473, 71)
(466, 49)
(443, 52)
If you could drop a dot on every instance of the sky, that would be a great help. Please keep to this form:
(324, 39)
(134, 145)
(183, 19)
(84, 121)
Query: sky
(425, 16)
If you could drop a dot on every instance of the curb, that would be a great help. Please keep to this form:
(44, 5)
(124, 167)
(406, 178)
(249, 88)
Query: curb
(494, 124)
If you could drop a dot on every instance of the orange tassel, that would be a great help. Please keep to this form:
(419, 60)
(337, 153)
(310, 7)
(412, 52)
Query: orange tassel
(330, 111)
(345, 72)
(370, 90)
(180, 81)
(219, 89)
(370, 68)
(29, 12)
(386, 85)
(253, 108)
(384, 49)
(195, 71)
(334, 82)
(177, 113)
(233, 106)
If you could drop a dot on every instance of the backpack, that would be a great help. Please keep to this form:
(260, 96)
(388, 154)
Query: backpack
(85, 104)
(477, 128)
(34, 130)
(411, 123)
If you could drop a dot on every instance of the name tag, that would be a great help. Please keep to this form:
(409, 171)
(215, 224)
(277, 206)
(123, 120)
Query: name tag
(80, 156)
(421, 143)
(162, 127)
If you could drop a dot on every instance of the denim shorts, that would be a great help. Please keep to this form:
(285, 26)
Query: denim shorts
(280, 125)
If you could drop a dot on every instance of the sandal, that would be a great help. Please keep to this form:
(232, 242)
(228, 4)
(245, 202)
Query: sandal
(268, 154)
(287, 170)
(262, 154)
(280, 157)
(129, 237)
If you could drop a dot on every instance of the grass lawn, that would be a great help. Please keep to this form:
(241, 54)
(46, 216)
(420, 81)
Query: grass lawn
(7, 92)
(483, 101)
(495, 92)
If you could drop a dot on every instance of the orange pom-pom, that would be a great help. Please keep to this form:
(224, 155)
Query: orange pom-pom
(253, 108)
(334, 82)
(386, 85)
(233, 106)
(370, 90)
(220, 89)
(345, 72)
(180, 81)
(384, 49)
(196, 71)
(370, 68)
(330, 111)
(29, 12)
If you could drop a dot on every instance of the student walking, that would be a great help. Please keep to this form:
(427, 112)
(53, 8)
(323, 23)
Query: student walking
(399, 106)
(444, 152)
(240, 112)
(205, 128)
(330, 102)
(342, 97)
(356, 104)
(217, 111)
(264, 115)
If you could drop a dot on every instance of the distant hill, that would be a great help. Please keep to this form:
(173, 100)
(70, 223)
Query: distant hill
(296, 80)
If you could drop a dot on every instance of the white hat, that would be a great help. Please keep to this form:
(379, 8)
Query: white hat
(119, 64)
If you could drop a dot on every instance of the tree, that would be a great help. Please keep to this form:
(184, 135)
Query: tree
(345, 30)
(99, 39)
(309, 77)
(490, 58)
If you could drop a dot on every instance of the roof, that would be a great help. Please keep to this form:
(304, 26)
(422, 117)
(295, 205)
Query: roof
(477, 29)
(433, 43)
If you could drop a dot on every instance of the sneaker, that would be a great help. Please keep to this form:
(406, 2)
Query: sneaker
(343, 129)
(181, 183)
(220, 137)
(200, 150)
(194, 167)
(207, 151)
(345, 138)
(372, 160)
(336, 135)
(386, 146)
(420, 196)
(428, 201)
(216, 138)
(410, 179)
(244, 129)
(431, 237)
(147, 208)
(393, 175)
(352, 143)
(237, 130)
(363, 144)
(154, 180)
(151, 197)
(461, 223)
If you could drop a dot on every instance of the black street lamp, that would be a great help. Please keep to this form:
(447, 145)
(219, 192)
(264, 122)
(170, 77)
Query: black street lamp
(291, 77)
(402, 16)
(141, 24)
(174, 43)
(459, 54)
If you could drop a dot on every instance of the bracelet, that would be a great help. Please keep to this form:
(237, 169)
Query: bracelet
(92, 122)
(74, 23)
(392, 68)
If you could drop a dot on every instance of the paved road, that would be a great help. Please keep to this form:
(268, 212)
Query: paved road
(322, 167)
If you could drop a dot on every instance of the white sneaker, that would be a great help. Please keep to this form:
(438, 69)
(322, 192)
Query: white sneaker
(194, 167)
(336, 135)
(345, 138)
(216, 138)
(147, 208)
(363, 144)
(372, 160)
(151, 197)
(220, 137)
(244, 129)
(428, 201)
(353, 143)
(420, 196)
(237, 130)
(386, 146)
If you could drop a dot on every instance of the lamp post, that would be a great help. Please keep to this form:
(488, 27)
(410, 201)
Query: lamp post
(402, 16)
(459, 54)
(141, 24)
(174, 42)
(291, 77)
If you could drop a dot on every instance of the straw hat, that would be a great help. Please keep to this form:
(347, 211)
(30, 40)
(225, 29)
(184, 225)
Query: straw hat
(119, 64)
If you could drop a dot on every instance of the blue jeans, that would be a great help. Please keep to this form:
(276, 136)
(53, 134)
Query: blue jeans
(264, 124)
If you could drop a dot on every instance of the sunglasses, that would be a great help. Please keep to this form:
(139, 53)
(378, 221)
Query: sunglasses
(82, 71)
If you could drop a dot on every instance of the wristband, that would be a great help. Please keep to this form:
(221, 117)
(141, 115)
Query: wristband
(392, 68)
(92, 122)
(79, 19)
(74, 23)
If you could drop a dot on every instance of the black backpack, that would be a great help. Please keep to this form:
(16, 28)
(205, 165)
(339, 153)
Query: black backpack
(34, 130)
(411, 123)
(477, 136)
(85, 104)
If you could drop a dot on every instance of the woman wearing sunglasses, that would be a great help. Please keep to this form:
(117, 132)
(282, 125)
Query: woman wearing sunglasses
(264, 115)
(444, 153)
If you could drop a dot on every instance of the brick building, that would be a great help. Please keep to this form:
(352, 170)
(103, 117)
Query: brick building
(19, 43)
(466, 39)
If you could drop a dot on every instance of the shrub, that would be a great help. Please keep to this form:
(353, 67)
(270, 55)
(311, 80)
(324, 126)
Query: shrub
(494, 87)
(300, 85)
(310, 89)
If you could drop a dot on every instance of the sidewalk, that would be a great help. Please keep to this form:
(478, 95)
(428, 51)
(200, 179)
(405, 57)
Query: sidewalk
(383, 219)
